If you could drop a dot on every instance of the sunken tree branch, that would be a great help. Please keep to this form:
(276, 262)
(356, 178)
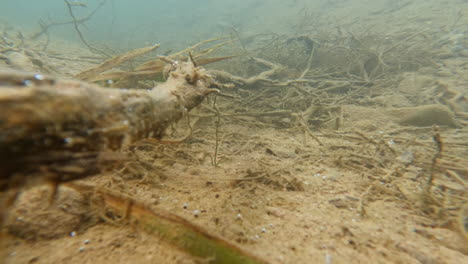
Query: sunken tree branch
(58, 128)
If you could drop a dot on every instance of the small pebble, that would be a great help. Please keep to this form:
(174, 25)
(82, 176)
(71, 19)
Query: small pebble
(72, 234)
(239, 216)
(185, 206)
(196, 213)
(86, 242)
(82, 249)
(263, 230)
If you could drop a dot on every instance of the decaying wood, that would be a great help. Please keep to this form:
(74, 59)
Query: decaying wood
(151, 70)
(262, 78)
(58, 128)
(177, 56)
(114, 61)
(152, 73)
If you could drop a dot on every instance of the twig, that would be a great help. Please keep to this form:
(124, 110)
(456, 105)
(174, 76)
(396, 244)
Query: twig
(361, 208)
(439, 148)
(309, 62)
(217, 122)
(401, 42)
(92, 72)
(272, 113)
(239, 39)
(261, 78)
(456, 177)
(77, 29)
(427, 198)
(45, 28)
(303, 124)
(47, 41)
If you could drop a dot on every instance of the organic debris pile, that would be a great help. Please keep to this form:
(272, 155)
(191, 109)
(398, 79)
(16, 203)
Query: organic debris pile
(308, 148)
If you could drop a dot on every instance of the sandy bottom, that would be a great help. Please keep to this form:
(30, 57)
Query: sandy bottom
(355, 195)
(348, 201)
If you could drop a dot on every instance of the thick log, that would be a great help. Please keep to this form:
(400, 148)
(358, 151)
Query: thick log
(55, 130)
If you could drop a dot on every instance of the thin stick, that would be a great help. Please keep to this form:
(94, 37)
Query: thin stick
(239, 39)
(309, 62)
(45, 28)
(427, 198)
(306, 129)
(362, 200)
(217, 122)
(77, 29)
(437, 139)
(272, 113)
(456, 177)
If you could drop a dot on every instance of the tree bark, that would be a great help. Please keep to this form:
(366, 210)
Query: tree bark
(55, 130)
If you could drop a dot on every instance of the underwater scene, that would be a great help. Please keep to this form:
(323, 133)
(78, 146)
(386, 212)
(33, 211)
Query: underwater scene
(248, 131)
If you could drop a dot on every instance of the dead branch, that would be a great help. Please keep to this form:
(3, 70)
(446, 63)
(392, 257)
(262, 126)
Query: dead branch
(57, 128)
(151, 70)
(309, 63)
(45, 27)
(150, 65)
(217, 123)
(426, 195)
(264, 78)
(77, 29)
(113, 62)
